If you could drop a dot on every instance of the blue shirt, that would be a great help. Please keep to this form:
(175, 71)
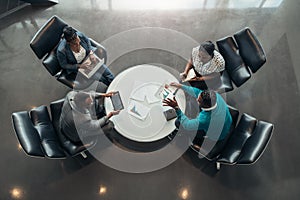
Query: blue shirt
(216, 123)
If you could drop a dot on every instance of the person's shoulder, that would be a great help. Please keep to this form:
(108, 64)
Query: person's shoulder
(71, 94)
(217, 54)
(196, 49)
(80, 34)
(218, 59)
(61, 45)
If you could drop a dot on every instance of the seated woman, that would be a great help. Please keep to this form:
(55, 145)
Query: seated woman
(74, 48)
(206, 62)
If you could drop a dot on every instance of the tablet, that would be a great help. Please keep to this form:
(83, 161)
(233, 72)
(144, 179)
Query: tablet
(117, 101)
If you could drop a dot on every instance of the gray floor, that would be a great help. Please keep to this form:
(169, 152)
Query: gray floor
(272, 94)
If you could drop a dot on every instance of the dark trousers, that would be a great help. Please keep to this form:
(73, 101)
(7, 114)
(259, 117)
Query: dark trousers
(104, 75)
(198, 139)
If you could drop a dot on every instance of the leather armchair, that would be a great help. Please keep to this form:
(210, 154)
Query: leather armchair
(250, 49)
(247, 143)
(40, 136)
(44, 45)
(244, 144)
(235, 66)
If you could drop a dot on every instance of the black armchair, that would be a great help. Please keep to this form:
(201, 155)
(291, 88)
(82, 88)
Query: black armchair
(40, 136)
(241, 51)
(44, 45)
(247, 143)
(244, 144)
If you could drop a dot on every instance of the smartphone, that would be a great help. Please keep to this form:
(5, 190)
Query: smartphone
(117, 101)
(170, 114)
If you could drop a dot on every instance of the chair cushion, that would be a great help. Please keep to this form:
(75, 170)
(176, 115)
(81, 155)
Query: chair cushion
(47, 37)
(226, 84)
(49, 140)
(26, 133)
(51, 63)
(234, 64)
(55, 110)
(235, 143)
(250, 49)
(240, 75)
(256, 143)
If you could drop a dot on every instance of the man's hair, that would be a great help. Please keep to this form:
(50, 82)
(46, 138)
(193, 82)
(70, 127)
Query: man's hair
(208, 98)
(208, 46)
(79, 98)
(69, 33)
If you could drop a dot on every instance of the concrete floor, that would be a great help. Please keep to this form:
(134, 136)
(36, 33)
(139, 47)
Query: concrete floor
(156, 32)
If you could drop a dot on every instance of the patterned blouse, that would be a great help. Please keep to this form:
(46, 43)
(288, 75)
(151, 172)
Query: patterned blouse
(216, 64)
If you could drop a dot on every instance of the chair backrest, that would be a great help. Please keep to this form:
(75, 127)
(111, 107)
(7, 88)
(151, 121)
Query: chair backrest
(47, 37)
(36, 134)
(27, 135)
(235, 143)
(256, 143)
(234, 64)
(48, 137)
(250, 49)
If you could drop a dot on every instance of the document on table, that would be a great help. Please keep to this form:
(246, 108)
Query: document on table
(166, 92)
(138, 110)
(146, 90)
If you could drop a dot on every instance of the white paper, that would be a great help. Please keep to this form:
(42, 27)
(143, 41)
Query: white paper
(138, 110)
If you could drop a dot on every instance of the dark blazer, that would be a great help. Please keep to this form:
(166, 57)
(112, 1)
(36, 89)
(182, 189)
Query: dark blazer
(65, 55)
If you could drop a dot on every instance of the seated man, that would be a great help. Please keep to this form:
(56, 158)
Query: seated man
(74, 48)
(214, 119)
(83, 115)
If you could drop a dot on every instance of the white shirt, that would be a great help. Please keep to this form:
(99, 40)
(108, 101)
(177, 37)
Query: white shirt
(80, 55)
(216, 64)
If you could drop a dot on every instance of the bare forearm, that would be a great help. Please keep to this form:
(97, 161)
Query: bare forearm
(210, 76)
(188, 66)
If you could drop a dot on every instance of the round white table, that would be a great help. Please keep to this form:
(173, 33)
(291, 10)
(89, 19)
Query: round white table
(138, 88)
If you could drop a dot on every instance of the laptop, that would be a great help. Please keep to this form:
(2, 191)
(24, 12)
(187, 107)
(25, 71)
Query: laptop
(92, 67)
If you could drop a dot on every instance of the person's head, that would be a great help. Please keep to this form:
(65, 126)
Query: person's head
(206, 50)
(207, 100)
(70, 35)
(83, 100)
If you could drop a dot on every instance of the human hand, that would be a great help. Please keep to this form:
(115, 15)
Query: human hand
(84, 66)
(109, 94)
(174, 84)
(112, 113)
(195, 79)
(183, 75)
(170, 102)
(93, 58)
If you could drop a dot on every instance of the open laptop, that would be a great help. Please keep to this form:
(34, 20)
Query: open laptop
(93, 67)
